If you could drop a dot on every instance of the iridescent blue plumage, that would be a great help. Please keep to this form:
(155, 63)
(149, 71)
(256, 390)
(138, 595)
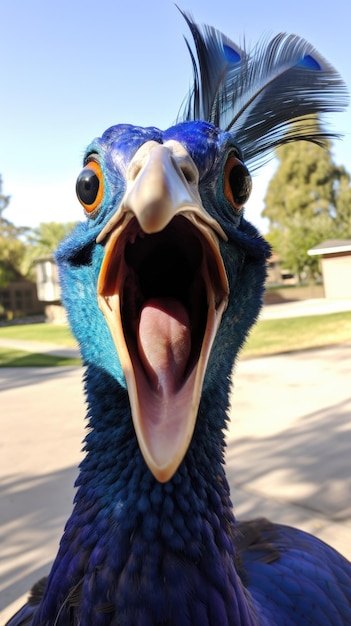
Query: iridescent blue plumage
(151, 542)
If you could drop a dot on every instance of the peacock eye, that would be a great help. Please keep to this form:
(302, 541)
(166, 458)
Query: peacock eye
(237, 182)
(90, 187)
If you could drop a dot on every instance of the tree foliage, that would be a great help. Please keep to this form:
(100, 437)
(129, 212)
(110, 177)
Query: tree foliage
(307, 201)
(12, 246)
(43, 240)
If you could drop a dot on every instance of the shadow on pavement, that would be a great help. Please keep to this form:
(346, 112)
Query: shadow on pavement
(13, 377)
(304, 464)
(32, 518)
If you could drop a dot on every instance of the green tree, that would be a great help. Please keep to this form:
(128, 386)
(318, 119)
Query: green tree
(308, 200)
(342, 219)
(43, 240)
(12, 246)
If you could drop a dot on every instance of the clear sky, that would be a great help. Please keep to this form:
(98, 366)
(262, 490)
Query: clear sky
(71, 69)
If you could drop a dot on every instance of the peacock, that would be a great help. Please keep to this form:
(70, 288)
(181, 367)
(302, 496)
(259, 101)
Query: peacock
(162, 282)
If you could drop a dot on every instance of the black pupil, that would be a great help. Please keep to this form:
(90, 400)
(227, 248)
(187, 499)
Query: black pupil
(240, 184)
(87, 186)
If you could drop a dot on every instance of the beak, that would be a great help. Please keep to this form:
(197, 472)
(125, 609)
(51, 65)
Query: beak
(163, 289)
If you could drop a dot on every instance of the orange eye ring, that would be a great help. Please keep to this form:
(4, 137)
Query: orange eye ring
(90, 187)
(237, 183)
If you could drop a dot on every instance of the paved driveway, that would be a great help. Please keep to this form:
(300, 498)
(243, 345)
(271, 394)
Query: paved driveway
(288, 455)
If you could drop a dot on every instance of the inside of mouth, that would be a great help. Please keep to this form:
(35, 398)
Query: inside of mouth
(164, 357)
(164, 303)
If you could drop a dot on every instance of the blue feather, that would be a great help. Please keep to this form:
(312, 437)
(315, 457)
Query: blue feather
(310, 63)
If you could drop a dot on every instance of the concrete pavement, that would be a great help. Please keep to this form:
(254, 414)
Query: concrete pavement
(42, 426)
(288, 455)
(298, 308)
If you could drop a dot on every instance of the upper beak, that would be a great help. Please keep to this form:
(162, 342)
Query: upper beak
(158, 191)
(163, 289)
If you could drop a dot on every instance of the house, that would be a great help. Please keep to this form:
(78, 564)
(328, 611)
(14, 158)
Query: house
(48, 289)
(336, 266)
(19, 299)
(276, 275)
(47, 280)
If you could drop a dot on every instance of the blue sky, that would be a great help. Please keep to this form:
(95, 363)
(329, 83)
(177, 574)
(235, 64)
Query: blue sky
(71, 69)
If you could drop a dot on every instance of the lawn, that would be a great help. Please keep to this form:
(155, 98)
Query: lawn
(268, 337)
(298, 333)
(48, 333)
(20, 358)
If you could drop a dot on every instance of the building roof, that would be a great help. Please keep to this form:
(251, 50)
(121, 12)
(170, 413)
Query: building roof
(331, 246)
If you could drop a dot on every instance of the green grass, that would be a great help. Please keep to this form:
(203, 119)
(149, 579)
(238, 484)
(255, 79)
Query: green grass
(48, 333)
(20, 358)
(298, 333)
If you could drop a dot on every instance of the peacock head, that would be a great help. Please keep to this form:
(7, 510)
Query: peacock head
(169, 273)
(162, 284)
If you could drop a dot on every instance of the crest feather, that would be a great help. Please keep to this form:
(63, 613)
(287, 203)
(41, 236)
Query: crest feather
(266, 98)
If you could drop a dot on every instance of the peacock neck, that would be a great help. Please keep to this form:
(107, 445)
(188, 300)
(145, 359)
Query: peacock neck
(166, 548)
(115, 479)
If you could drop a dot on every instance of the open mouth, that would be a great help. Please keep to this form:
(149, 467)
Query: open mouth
(165, 274)
(163, 295)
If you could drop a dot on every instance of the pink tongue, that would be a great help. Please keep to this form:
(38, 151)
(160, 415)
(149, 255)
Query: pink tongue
(164, 342)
